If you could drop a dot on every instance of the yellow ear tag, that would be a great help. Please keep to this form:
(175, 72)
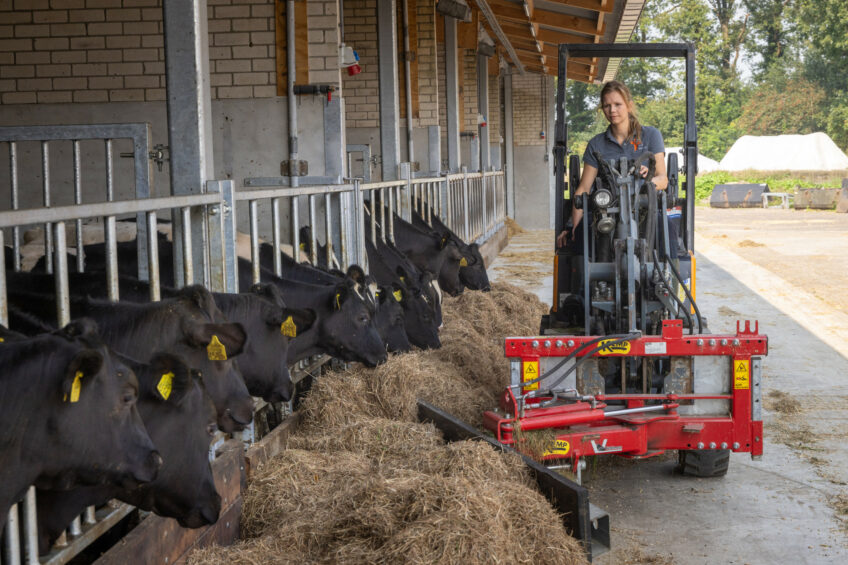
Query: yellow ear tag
(2, 340)
(76, 386)
(338, 304)
(216, 350)
(398, 295)
(403, 280)
(302, 247)
(166, 384)
(463, 262)
(288, 328)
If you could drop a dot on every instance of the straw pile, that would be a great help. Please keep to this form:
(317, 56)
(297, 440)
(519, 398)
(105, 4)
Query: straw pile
(363, 482)
(512, 228)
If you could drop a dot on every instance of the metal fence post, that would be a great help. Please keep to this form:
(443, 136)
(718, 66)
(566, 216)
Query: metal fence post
(465, 220)
(405, 204)
(222, 244)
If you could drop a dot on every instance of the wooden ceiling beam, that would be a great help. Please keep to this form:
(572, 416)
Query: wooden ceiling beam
(568, 23)
(603, 6)
(556, 37)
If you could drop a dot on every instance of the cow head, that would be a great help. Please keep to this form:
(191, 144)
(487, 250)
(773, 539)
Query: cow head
(472, 269)
(94, 433)
(390, 318)
(172, 397)
(350, 331)
(419, 324)
(264, 367)
(449, 271)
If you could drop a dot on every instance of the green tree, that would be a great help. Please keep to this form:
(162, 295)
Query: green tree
(784, 102)
(770, 30)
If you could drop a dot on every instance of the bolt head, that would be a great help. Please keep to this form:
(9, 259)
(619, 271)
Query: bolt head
(700, 343)
(724, 342)
(547, 343)
(559, 343)
(712, 445)
(535, 343)
(735, 445)
(724, 445)
(700, 445)
(712, 343)
(735, 342)
(570, 343)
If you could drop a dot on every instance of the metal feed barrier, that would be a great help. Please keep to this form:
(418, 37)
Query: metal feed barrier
(471, 204)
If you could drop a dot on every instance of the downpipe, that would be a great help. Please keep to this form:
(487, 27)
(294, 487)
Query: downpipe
(407, 78)
(290, 76)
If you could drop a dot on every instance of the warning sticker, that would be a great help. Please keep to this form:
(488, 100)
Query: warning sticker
(741, 375)
(530, 372)
(561, 447)
(622, 348)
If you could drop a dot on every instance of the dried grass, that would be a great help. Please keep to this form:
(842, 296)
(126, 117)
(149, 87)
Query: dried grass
(362, 481)
(512, 228)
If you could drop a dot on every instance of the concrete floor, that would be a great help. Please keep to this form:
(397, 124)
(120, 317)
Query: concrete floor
(779, 509)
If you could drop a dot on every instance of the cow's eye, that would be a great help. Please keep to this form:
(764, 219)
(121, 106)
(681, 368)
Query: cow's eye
(128, 397)
(364, 319)
(211, 428)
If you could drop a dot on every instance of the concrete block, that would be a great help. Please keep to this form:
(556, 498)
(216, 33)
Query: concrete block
(842, 204)
(266, 91)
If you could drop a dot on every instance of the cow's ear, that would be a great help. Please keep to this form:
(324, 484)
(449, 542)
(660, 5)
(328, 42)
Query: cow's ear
(199, 295)
(85, 328)
(221, 341)
(296, 321)
(270, 292)
(402, 274)
(339, 296)
(171, 377)
(443, 240)
(79, 373)
(356, 273)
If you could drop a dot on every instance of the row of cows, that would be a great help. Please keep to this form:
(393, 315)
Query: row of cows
(123, 402)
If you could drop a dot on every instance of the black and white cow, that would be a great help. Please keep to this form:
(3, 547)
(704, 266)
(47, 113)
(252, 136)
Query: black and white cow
(472, 268)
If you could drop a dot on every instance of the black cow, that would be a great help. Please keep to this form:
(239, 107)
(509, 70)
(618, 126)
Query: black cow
(68, 416)
(420, 325)
(429, 252)
(171, 399)
(189, 325)
(261, 313)
(472, 268)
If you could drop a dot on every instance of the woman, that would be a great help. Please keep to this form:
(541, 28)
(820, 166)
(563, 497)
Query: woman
(625, 137)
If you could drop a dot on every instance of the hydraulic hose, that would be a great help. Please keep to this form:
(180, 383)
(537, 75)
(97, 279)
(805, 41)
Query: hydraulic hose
(688, 295)
(674, 296)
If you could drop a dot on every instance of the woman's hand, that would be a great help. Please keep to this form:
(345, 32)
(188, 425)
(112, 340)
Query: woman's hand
(562, 238)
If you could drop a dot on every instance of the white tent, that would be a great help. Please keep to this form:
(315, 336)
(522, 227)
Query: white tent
(705, 164)
(811, 152)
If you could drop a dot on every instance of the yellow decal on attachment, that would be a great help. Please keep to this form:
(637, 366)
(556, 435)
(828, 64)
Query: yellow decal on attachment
(76, 386)
(216, 350)
(463, 262)
(741, 375)
(398, 295)
(529, 373)
(166, 384)
(561, 447)
(622, 348)
(288, 328)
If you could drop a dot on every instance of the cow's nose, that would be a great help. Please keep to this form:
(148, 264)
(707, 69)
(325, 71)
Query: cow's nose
(150, 468)
(282, 393)
(487, 288)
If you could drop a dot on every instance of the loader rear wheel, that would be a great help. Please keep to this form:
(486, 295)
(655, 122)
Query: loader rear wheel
(704, 463)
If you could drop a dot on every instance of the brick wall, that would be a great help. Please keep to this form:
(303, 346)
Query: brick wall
(362, 97)
(112, 50)
(528, 112)
(468, 88)
(323, 23)
(428, 102)
(494, 117)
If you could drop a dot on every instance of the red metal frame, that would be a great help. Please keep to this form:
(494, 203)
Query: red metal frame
(586, 430)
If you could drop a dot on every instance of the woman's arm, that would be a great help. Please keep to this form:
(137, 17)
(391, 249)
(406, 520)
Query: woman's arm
(660, 179)
(586, 180)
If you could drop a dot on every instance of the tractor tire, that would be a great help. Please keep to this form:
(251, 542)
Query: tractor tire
(703, 463)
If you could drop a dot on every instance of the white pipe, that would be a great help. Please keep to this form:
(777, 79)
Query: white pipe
(290, 55)
(407, 72)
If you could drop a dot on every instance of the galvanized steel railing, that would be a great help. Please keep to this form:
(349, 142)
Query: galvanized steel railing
(471, 204)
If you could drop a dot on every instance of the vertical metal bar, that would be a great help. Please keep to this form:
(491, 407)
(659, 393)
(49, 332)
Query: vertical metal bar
(229, 234)
(328, 229)
(509, 148)
(275, 228)
(12, 541)
(291, 66)
(452, 83)
(465, 219)
(388, 87)
(16, 231)
(153, 257)
(143, 165)
(63, 313)
(254, 240)
(359, 204)
(313, 235)
(343, 256)
(188, 264)
(78, 200)
(294, 212)
(407, 76)
(111, 244)
(384, 229)
(4, 305)
(45, 177)
(373, 202)
(391, 216)
(30, 528)
(110, 187)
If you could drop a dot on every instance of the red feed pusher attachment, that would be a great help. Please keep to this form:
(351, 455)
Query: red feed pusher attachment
(710, 396)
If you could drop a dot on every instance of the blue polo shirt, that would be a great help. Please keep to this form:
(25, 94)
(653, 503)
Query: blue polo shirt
(609, 148)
